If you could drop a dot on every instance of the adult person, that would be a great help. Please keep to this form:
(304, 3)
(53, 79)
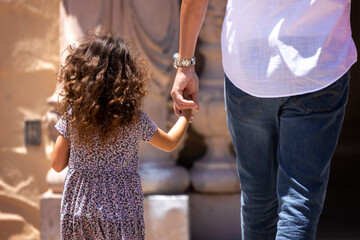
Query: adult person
(286, 67)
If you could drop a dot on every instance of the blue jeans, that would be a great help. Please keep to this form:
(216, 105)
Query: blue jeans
(284, 147)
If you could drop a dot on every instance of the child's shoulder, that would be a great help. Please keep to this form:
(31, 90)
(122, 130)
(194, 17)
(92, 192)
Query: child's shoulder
(146, 126)
(144, 118)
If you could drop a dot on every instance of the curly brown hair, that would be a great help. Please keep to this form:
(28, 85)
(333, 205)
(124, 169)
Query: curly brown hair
(103, 87)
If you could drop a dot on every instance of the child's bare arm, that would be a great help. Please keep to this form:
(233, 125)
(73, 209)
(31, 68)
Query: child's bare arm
(169, 141)
(60, 154)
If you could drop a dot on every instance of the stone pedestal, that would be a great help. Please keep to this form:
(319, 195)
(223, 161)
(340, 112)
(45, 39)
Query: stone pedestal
(215, 216)
(164, 179)
(167, 217)
(50, 216)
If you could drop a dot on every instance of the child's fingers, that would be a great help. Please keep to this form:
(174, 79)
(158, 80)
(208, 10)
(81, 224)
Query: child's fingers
(191, 119)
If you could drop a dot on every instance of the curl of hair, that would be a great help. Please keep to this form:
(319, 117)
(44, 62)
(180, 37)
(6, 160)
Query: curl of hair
(103, 85)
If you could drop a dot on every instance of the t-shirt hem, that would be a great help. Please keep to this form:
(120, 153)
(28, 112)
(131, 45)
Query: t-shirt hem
(290, 94)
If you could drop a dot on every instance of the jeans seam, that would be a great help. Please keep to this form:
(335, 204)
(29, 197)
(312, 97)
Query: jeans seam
(244, 118)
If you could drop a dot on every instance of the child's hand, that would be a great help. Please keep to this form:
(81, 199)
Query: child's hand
(187, 114)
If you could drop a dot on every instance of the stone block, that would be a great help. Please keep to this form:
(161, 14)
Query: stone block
(166, 217)
(215, 216)
(50, 216)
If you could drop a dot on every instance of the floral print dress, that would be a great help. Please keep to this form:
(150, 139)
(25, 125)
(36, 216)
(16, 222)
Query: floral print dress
(102, 197)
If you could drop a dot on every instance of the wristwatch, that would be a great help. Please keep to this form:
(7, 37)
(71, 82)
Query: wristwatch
(183, 62)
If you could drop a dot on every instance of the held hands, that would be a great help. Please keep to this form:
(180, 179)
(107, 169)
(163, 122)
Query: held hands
(187, 113)
(186, 78)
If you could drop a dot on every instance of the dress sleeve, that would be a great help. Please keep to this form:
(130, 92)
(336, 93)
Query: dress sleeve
(62, 126)
(147, 127)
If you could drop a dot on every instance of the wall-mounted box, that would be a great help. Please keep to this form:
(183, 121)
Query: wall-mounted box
(32, 132)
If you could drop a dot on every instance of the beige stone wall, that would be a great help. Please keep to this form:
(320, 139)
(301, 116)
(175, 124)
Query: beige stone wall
(29, 57)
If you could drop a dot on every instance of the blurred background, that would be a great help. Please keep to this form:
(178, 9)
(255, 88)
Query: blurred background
(33, 35)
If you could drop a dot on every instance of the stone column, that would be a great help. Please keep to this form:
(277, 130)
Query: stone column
(216, 171)
(153, 28)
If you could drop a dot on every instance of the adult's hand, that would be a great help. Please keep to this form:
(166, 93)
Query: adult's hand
(192, 15)
(185, 80)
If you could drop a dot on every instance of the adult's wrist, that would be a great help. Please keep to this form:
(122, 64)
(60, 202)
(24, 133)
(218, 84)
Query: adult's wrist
(186, 69)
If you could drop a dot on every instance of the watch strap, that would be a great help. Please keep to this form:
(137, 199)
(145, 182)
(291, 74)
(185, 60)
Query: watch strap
(183, 62)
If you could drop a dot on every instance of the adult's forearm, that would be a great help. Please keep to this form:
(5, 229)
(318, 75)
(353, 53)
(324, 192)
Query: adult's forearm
(191, 19)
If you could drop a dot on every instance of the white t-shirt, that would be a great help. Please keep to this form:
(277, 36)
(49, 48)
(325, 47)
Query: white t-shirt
(286, 47)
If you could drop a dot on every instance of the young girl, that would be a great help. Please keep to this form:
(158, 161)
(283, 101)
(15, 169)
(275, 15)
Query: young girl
(100, 130)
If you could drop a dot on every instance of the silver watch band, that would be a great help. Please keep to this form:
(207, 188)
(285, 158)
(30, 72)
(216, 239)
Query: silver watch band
(183, 62)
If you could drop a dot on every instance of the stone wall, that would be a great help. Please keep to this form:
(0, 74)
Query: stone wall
(29, 57)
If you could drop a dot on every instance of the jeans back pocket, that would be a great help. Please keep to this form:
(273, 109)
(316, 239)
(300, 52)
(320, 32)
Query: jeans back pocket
(323, 100)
